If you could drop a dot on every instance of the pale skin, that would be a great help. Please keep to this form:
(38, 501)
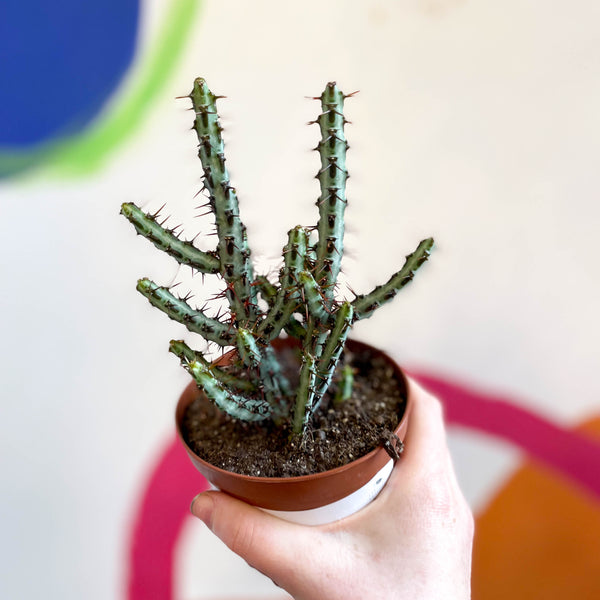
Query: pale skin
(413, 542)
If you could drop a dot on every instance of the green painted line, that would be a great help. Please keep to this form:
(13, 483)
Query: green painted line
(84, 153)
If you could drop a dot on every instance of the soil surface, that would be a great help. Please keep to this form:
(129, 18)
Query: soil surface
(337, 434)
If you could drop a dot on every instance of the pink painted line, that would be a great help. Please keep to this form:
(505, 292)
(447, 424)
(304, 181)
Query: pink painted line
(573, 455)
(163, 509)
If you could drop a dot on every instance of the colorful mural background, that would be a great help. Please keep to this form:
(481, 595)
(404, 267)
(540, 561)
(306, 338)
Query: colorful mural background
(63, 64)
(475, 122)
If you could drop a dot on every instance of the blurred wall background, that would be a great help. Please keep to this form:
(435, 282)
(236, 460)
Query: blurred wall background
(476, 122)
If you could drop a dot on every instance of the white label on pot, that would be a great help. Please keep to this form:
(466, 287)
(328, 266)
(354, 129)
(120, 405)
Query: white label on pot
(341, 508)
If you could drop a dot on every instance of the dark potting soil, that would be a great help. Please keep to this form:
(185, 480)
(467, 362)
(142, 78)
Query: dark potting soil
(338, 433)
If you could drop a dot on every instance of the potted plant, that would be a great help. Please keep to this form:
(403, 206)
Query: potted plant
(291, 370)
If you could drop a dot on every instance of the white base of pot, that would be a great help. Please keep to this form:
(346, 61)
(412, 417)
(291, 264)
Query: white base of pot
(341, 508)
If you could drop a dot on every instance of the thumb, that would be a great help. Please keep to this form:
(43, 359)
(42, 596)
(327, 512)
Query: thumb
(269, 544)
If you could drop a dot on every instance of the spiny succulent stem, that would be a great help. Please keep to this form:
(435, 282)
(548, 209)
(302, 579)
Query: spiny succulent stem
(179, 310)
(365, 305)
(275, 384)
(305, 392)
(255, 353)
(345, 385)
(248, 348)
(313, 297)
(246, 408)
(233, 250)
(187, 355)
(292, 326)
(266, 289)
(332, 179)
(286, 299)
(332, 349)
(184, 253)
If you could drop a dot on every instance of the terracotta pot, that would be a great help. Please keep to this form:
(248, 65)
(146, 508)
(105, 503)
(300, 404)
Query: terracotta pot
(311, 499)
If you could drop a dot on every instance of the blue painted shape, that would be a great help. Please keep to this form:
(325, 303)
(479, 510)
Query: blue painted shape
(59, 62)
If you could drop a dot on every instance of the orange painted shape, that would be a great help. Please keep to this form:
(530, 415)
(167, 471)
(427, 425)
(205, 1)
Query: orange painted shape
(539, 538)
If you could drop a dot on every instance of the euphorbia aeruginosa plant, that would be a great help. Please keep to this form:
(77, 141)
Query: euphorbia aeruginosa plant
(302, 302)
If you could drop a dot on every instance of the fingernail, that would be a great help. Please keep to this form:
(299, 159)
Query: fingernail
(194, 500)
(201, 507)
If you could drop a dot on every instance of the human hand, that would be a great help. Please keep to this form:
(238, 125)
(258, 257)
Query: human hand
(413, 542)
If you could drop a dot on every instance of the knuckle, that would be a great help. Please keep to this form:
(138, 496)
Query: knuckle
(434, 404)
(427, 401)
